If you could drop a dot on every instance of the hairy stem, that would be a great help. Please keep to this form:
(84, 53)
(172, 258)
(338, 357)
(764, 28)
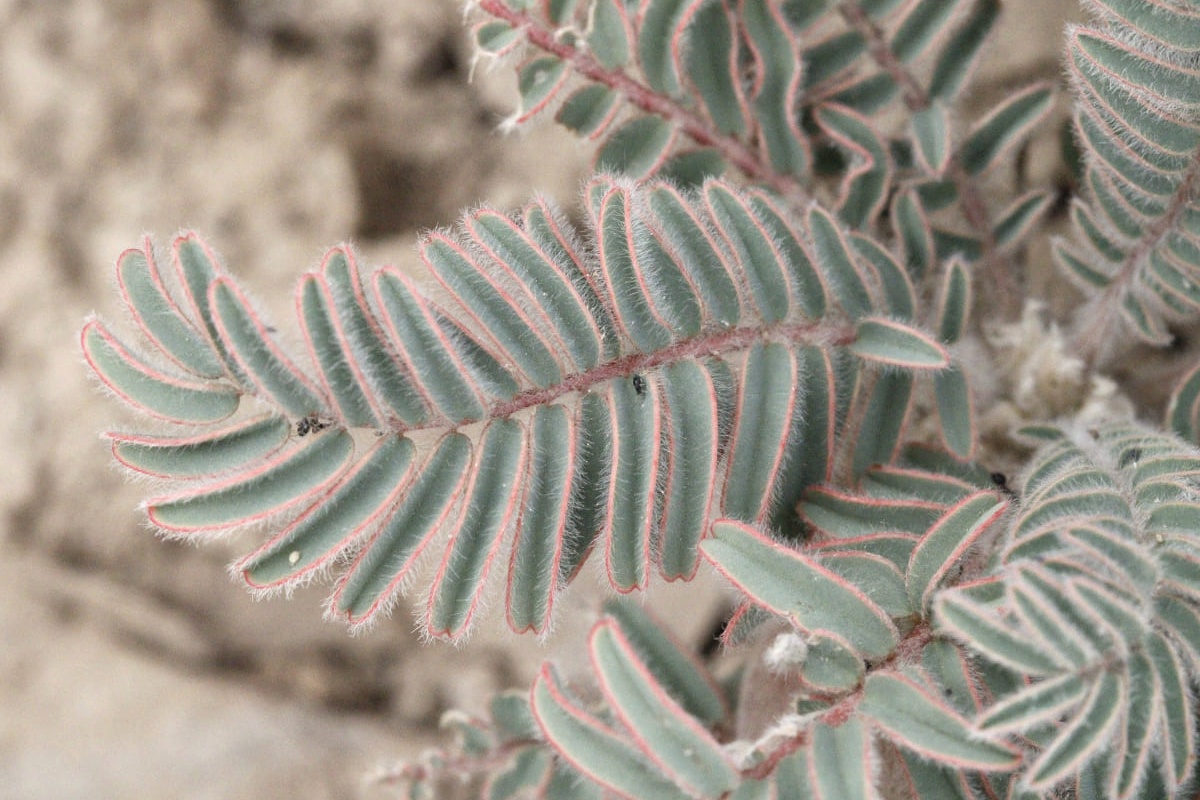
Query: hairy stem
(827, 334)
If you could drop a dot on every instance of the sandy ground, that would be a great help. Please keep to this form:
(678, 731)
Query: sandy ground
(132, 668)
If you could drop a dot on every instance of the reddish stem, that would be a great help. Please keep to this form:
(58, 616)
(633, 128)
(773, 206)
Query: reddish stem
(723, 341)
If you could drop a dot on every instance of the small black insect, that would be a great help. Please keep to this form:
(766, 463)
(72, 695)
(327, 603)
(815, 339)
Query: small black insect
(1001, 481)
(639, 384)
(310, 424)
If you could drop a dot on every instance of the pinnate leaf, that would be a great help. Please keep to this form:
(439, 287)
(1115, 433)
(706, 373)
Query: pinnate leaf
(568, 398)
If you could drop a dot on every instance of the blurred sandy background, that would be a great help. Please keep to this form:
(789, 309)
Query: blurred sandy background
(132, 668)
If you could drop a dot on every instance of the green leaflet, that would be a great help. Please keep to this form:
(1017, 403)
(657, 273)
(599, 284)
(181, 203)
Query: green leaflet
(518, 327)
(538, 81)
(869, 94)
(989, 635)
(770, 390)
(892, 344)
(1141, 715)
(794, 585)
(378, 570)
(692, 167)
(954, 303)
(912, 228)
(697, 252)
(1018, 219)
(673, 666)
(841, 760)
(1168, 79)
(999, 132)
(921, 26)
(1173, 25)
(592, 748)
(1129, 105)
(831, 665)
(949, 666)
(709, 55)
(137, 382)
(637, 148)
(548, 231)
(1128, 166)
(636, 426)
(496, 38)
(589, 513)
(864, 187)
(159, 315)
(512, 715)
(658, 43)
(808, 285)
(1177, 711)
(636, 313)
(527, 773)
(931, 135)
(1183, 413)
(679, 745)
(544, 526)
(224, 449)
(752, 248)
(1040, 703)
(510, 247)
(849, 286)
(955, 411)
(917, 721)
(844, 516)
(364, 338)
(883, 420)
(197, 269)
(268, 369)
(1083, 737)
(931, 780)
(813, 432)
(825, 59)
(947, 542)
(261, 490)
(875, 574)
(490, 510)
(609, 35)
(775, 102)
(426, 349)
(482, 369)
(339, 376)
(673, 292)
(961, 53)
(692, 432)
(792, 779)
(325, 529)
(589, 110)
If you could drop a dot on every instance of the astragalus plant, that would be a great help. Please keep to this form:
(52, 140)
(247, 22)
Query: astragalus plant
(764, 349)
